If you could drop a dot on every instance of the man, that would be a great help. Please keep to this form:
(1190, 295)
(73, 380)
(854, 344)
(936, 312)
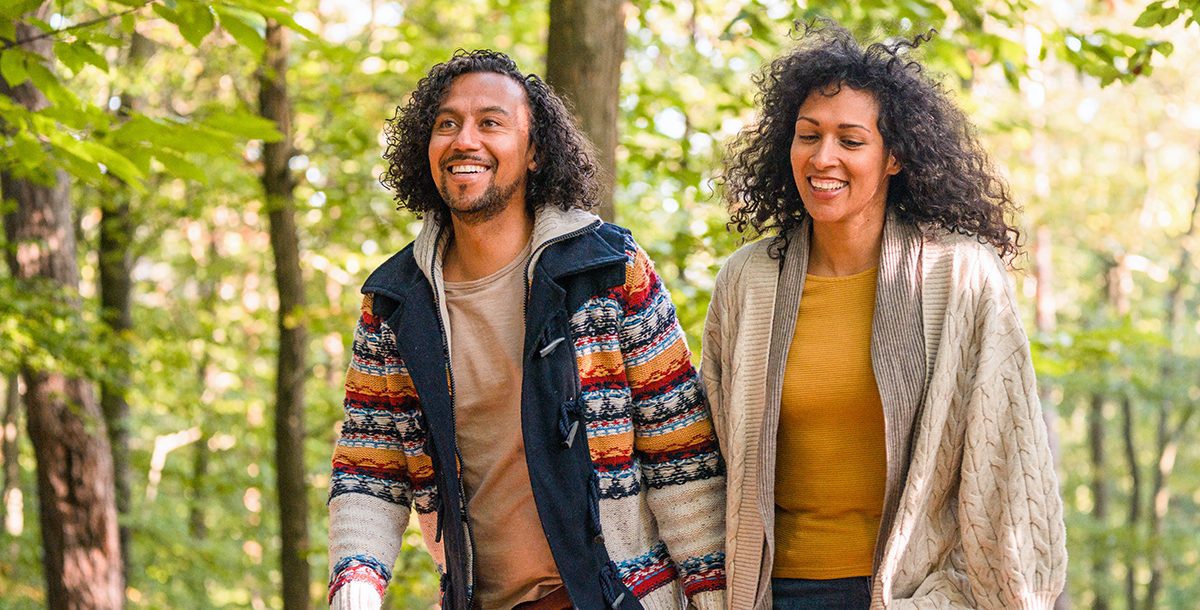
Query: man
(519, 377)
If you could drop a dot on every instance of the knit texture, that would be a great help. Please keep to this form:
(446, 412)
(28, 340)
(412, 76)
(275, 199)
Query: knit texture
(659, 475)
(977, 521)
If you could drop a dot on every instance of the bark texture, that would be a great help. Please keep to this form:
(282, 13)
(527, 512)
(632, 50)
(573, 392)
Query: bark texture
(116, 303)
(14, 516)
(77, 508)
(278, 184)
(583, 64)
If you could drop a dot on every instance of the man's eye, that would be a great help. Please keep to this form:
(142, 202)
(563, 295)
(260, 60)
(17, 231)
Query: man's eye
(490, 123)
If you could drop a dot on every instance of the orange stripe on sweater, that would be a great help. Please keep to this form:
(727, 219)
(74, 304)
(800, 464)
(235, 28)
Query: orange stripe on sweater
(695, 434)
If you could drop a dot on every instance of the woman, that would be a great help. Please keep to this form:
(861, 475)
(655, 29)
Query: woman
(869, 376)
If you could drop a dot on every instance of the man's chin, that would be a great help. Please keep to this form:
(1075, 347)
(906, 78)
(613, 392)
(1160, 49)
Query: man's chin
(477, 211)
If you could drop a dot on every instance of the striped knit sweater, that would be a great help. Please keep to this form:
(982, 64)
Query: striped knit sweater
(657, 472)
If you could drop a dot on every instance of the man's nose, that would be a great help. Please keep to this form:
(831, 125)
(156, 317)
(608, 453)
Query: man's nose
(467, 138)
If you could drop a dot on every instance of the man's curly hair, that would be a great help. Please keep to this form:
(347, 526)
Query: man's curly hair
(946, 180)
(565, 174)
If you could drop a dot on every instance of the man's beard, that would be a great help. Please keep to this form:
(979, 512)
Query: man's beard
(487, 206)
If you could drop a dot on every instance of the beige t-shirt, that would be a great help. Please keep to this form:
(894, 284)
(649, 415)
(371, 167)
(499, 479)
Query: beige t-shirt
(513, 563)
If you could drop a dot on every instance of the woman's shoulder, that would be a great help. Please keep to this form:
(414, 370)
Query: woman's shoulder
(748, 262)
(966, 253)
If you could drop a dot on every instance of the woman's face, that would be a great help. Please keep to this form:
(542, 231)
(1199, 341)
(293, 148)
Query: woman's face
(839, 161)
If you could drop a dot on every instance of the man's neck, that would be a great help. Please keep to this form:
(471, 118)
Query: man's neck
(479, 250)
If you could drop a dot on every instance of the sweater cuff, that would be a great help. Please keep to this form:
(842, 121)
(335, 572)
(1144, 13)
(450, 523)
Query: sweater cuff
(351, 578)
(356, 595)
(708, 600)
(1041, 600)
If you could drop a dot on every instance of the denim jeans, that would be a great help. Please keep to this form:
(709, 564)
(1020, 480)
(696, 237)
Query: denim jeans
(834, 594)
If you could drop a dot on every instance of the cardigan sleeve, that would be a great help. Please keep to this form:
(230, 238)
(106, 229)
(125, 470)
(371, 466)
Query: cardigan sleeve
(1011, 549)
(711, 363)
(371, 488)
(673, 434)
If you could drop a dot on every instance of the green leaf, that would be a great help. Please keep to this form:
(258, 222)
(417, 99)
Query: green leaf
(244, 27)
(1150, 16)
(12, 9)
(76, 55)
(244, 125)
(178, 166)
(94, 152)
(12, 67)
(969, 12)
(171, 135)
(196, 22)
(66, 54)
(284, 17)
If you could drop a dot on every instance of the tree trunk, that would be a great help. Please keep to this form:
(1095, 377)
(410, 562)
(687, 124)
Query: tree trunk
(1096, 436)
(583, 63)
(278, 184)
(77, 509)
(1167, 435)
(14, 510)
(1046, 319)
(1134, 517)
(116, 302)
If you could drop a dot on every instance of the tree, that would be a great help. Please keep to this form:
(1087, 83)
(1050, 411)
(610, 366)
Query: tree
(583, 63)
(74, 465)
(279, 186)
(115, 263)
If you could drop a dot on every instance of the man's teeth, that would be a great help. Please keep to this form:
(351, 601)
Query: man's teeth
(467, 169)
(827, 185)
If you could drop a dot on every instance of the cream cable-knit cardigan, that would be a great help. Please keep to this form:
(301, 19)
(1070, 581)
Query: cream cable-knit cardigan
(972, 516)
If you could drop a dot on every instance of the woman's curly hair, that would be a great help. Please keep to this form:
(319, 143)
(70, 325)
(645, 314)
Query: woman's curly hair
(566, 171)
(946, 179)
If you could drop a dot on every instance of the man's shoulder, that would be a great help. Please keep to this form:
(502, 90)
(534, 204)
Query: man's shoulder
(394, 275)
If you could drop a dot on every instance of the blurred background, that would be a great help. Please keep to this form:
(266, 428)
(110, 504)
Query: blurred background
(191, 201)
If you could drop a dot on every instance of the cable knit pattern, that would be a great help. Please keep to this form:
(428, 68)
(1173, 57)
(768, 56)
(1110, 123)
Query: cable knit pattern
(978, 519)
(657, 472)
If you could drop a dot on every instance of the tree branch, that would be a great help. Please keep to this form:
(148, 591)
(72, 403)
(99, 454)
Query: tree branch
(9, 44)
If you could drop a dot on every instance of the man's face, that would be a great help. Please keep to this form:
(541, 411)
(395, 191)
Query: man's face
(479, 151)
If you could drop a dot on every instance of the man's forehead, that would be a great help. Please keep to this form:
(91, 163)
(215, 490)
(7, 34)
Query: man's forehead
(486, 89)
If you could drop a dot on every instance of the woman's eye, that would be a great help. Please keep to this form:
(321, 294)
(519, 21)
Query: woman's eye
(807, 138)
(851, 143)
(445, 124)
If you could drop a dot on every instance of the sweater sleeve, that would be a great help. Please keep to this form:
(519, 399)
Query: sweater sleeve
(712, 349)
(1010, 512)
(673, 434)
(1012, 550)
(378, 462)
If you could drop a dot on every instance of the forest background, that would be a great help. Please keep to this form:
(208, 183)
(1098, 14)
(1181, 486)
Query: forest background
(191, 200)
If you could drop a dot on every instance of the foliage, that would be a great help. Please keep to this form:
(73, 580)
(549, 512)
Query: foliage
(1091, 163)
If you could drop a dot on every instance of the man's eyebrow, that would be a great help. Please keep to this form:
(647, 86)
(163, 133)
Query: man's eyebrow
(484, 110)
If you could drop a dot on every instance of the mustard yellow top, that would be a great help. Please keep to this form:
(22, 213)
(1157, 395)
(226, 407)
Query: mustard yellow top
(831, 458)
